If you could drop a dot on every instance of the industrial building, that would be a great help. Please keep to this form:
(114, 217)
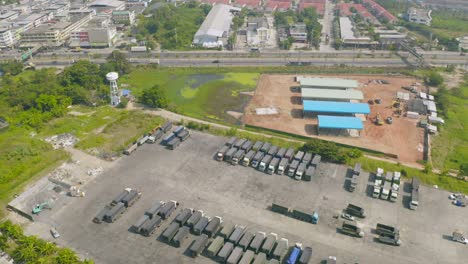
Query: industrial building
(331, 95)
(337, 108)
(349, 37)
(214, 31)
(326, 83)
(327, 124)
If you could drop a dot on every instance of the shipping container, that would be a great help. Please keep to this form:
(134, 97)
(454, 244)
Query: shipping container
(119, 197)
(198, 245)
(289, 154)
(174, 143)
(305, 256)
(247, 257)
(225, 251)
(231, 141)
(221, 152)
(256, 159)
(307, 158)
(247, 146)
(215, 246)
(227, 230)
(181, 236)
(257, 242)
(154, 210)
(170, 232)
(115, 212)
(131, 198)
(316, 160)
(273, 165)
(265, 148)
(166, 127)
(193, 220)
(229, 154)
(183, 216)
(213, 227)
(130, 149)
(269, 244)
(139, 223)
(237, 157)
(273, 150)
(309, 173)
(167, 209)
(201, 225)
(148, 228)
(280, 153)
(237, 234)
(261, 258)
(184, 135)
(235, 256)
(100, 215)
(281, 249)
(179, 130)
(277, 208)
(282, 166)
(248, 158)
(257, 146)
(246, 239)
(168, 138)
(239, 143)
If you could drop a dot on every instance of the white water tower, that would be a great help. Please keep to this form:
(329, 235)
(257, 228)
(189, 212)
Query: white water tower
(114, 90)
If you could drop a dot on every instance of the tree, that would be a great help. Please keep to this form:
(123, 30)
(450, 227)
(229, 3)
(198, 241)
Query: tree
(120, 63)
(155, 97)
(66, 256)
(433, 78)
(11, 67)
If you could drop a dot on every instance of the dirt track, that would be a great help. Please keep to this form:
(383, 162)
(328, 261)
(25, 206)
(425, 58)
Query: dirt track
(403, 137)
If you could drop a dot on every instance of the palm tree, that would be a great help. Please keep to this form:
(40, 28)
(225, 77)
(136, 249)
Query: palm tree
(66, 256)
(11, 230)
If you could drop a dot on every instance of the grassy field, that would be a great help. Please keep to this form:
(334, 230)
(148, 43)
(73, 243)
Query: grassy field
(207, 94)
(450, 146)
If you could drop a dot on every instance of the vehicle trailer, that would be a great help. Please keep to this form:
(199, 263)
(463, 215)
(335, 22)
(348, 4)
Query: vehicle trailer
(183, 135)
(174, 143)
(130, 149)
(273, 165)
(316, 160)
(357, 169)
(299, 155)
(300, 171)
(183, 216)
(414, 203)
(115, 212)
(193, 220)
(392, 239)
(353, 183)
(168, 138)
(231, 141)
(213, 226)
(221, 152)
(355, 210)
(236, 235)
(280, 153)
(120, 197)
(415, 183)
(275, 207)
(154, 210)
(229, 154)
(239, 143)
(148, 228)
(237, 157)
(215, 246)
(282, 166)
(170, 232)
(246, 239)
(273, 150)
(100, 215)
(198, 245)
(257, 146)
(136, 227)
(131, 198)
(281, 249)
(248, 158)
(261, 258)
(247, 257)
(309, 173)
(305, 256)
(303, 215)
(181, 236)
(257, 242)
(256, 159)
(166, 127)
(167, 209)
(225, 251)
(269, 244)
(247, 146)
(201, 225)
(292, 168)
(289, 154)
(265, 148)
(386, 229)
(307, 158)
(235, 256)
(227, 230)
(352, 229)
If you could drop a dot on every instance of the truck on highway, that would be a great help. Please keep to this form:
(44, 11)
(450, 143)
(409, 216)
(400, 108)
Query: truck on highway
(386, 190)
(295, 253)
(282, 166)
(237, 157)
(256, 159)
(264, 163)
(292, 168)
(221, 152)
(355, 210)
(273, 165)
(351, 229)
(300, 171)
(247, 158)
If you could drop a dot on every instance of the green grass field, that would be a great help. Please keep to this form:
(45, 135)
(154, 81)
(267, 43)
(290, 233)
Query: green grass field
(202, 94)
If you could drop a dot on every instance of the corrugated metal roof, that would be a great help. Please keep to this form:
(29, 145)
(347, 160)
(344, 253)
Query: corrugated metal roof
(336, 107)
(327, 82)
(340, 122)
(216, 22)
(332, 94)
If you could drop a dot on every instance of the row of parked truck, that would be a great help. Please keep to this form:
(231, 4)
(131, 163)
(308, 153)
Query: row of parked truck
(388, 187)
(151, 137)
(354, 178)
(173, 140)
(297, 213)
(111, 212)
(268, 158)
(147, 224)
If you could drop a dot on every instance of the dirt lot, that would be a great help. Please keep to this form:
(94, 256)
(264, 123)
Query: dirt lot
(402, 137)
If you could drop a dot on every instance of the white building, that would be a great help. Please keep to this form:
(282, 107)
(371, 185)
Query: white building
(298, 32)
(419, 16)
(214, 31)
(98, 34)
(463, 43)
(123, 17)
(258, 31)
(6, 38)
(102, 5)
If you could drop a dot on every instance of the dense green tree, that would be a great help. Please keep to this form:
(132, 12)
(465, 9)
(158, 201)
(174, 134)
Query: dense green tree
(434, 78)
(118, 61)
(83, 73)
(66, 256)
(155, 97)
(11, 67)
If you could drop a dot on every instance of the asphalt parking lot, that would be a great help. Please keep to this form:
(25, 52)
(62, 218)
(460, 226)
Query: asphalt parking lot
(242, 195)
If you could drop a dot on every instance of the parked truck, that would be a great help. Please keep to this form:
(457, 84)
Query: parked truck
(183, 135)
(385, 229)
(257, 146)
(168, 138)
(115, 212)
(378, 183)
(198, 245)
(236, 234)
(130, 149)
(142, 140)
(307, 158)
(225, 251)
(154, 209)
(388, 234)
(303, 214)
(300, 171)
(213, 226)
(277, 208)
(292, 168)
(136, 227)
(231, 141)
(299, 155)
(247, 258)
(256, 159)
(221, 152)
(394, 191)
(227, 230)
(235, 256)
(193, 220)
(281, 249)
(305, 256)
(131, 198)
(415, 183)
(237, 157)
(170, 232)
(357, 169)
(166, 127)
(264, 163)
(167, 209)
(181, 236)
(273, 150)
(248, 158)
(257, 242)
(353, 183)
(280, 153)
(386, 190)
(295, 253)
(351, 229)
(120, 196)
(239, 143)
(289, 154)
(265, 147)
(155, 136)
(355, 210)
(414, 203)
(148, 228)
(201, 225)
(214, 247)
(100, 215)
(183, 216)
(247, 146)
(273, 165)
(269, 244)
(282, 166)
(179, 130)
(246, 239)
(229, 154)
(174, 143)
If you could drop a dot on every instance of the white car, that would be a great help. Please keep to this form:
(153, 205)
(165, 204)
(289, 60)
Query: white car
(347, 216)
(455, 196)
(54, 233)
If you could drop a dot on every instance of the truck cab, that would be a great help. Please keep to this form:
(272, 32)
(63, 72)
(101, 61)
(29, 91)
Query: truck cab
(264, 163)
(459, 237)
(282, 166)
(300, 171)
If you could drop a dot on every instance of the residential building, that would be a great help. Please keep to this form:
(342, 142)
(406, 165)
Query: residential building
(278, 5)
(349, 36)
(78, 14)
(379, 12)
(249, 4)
(463, 43)
(420, 16)
(8, 15)
(6, 38)
(214, 31)
(98, 34)
(102, 5)
(258, 31)
(298, 32)
(123, 17)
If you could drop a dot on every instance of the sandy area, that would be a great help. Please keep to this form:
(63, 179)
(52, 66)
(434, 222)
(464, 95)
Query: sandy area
(402, 138)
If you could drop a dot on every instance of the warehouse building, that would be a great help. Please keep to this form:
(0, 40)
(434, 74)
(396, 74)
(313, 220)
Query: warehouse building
(331, 95)
(338, 125)
(326, 83)
(312, 108)
(214, 31)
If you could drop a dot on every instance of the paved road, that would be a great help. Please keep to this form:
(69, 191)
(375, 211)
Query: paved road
(327, 27)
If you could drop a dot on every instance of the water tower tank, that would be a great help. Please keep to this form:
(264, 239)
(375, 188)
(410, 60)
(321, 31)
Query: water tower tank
(112, 76)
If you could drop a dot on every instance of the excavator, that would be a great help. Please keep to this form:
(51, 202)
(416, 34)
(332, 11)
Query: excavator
(39, 207)
(378, 120)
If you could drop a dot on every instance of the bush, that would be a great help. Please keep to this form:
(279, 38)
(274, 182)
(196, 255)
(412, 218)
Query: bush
(123, 103)
(155, 97)
(433, 78)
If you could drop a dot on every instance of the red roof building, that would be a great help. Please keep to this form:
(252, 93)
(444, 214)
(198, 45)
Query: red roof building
(226, 2)
(345, 10)
(248, 3)
(379, 11)
(279, 5)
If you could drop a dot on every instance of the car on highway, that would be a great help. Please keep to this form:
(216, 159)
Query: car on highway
(54, 233)
(347, 216)
(215, 61)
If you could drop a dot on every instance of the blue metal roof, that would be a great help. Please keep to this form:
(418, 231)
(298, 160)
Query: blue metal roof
(339, 122)
(336, 107)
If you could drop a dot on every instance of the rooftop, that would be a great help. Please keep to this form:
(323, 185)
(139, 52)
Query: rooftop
(216, 22)
(332, 94)
(327, 82)
(335, 107)
(339, 122)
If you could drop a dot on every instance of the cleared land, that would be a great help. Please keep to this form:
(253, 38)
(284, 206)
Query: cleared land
(242, 195)
(402, 137)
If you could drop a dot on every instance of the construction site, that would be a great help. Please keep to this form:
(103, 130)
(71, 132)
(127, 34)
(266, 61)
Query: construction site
(366, 111)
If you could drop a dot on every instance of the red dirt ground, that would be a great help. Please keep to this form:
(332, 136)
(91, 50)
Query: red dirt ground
(402, 138)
